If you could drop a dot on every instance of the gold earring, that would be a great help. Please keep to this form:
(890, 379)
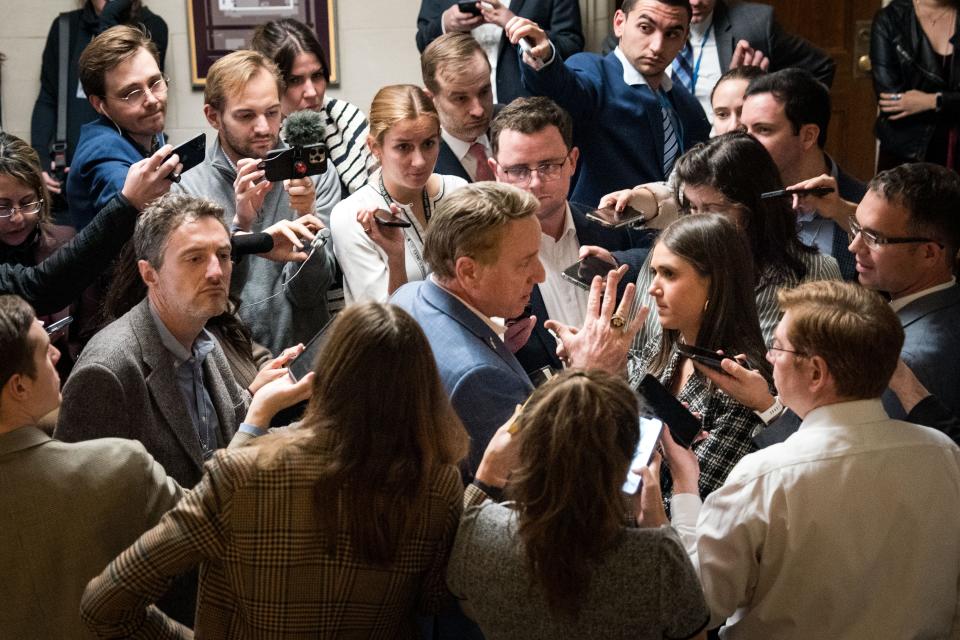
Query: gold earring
(706, 304)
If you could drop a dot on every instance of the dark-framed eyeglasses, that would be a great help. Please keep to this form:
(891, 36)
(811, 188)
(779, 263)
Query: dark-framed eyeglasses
(773, 346)
(875, 240)
(521, 174)
(157, 88)
(26, 209)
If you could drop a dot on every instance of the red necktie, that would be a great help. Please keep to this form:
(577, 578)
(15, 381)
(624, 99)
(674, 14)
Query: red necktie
(484, 172)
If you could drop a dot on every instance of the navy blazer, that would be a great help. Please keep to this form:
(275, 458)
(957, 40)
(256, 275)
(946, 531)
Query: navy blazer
(448, 164)
(931, 347)
(559, 18)
(628, 247)
(484, 380)
(618, 127)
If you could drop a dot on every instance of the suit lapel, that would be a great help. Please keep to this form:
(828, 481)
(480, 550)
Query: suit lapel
(449, 164)
(162, 383)
(448, 305)
(517, 8)
(928, 304)
(220, 396)
(722, 29)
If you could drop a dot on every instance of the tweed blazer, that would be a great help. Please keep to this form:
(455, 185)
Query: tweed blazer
(68, 509)
(265, 571)
(124, 385)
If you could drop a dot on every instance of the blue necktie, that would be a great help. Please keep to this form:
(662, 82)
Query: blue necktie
(671, 144)
(683, 67)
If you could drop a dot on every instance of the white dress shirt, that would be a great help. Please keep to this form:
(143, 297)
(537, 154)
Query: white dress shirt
(461, 149)
(565, 301)
(489, 36)
(848, 529)
(363, 261)
(633, 77)
(705, 50)
(900, 303)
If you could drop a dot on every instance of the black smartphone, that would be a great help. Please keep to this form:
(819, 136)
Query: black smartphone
(786, 193)
(683, 425)
(304, 363)
(192, 152)
(60, 324)
(387, 219)
(469, 7)
(581, 273)
(613, 219)
(709, 358)
(650, 429)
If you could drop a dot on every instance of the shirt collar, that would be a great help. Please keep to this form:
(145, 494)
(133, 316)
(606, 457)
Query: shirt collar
(846, 414)
(700, 28)
(633, 77)
(496, 327)
(202, 345)
(568, 226)
(900, 303)
(459, 147)
(22, 438)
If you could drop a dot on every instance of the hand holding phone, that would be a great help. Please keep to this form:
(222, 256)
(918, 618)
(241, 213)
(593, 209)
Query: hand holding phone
(386, 218)
(684, 427)
(709, 358)
(613, 219)
(304, 363)
(469, 7)
(650, 429)
(191, 153)
(581, 273)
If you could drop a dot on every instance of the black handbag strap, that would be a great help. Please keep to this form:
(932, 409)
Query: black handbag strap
(59, 147)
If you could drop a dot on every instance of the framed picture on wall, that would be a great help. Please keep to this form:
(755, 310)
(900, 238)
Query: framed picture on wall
(218, 27)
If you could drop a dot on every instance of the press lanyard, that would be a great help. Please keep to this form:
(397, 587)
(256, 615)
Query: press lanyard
(696, 67)
(387, 198)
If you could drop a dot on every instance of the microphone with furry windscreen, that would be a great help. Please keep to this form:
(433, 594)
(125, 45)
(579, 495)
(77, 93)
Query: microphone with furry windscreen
(303, 131)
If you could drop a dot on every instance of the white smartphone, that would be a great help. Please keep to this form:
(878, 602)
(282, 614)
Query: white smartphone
(650, 429)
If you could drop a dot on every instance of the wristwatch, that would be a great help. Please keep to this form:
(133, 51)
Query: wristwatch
(772, 412)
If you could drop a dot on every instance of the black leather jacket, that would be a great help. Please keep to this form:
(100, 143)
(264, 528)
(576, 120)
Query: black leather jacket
(903, 59)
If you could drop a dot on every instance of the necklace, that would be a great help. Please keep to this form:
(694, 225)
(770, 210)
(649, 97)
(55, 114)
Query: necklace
(934, 22)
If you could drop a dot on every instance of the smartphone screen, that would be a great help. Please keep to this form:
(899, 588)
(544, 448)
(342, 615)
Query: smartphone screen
(683, 426)
(582, 273)
(650, 429)
(305, 362)
(610, 217)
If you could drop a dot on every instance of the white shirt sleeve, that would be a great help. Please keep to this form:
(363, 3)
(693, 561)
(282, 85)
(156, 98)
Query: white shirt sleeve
(364, 264)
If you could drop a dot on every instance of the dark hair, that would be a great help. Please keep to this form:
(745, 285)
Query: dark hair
(283, 40)
(108, 50)
(628, 5)
(740, 168)
(931, 194)
(164, 216)
(381, 444)
(531, 115)
(577, 436)
(20, 161)
(16, 318)
(805, 99)
(743, 72)
(714, 247)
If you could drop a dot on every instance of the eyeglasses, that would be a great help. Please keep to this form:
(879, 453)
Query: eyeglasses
(158, 89)
(546, 170)
(26, 210)
(875, 240)
(772, 346)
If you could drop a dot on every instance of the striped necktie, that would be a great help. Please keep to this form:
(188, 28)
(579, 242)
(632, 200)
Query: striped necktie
(671, 144)
(683, 67)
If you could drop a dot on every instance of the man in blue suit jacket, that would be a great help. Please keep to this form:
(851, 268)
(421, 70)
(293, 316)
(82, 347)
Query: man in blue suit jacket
(482, 246)
(630, 121)
(907, 241)
(533, 149)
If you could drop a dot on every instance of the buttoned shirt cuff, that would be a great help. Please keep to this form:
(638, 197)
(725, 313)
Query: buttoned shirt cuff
(253, 430)
(685, 509)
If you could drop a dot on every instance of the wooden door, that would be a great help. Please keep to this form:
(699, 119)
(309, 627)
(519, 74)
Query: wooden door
(842, 28)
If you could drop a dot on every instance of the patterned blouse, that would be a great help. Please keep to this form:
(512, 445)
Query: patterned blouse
(730, 424)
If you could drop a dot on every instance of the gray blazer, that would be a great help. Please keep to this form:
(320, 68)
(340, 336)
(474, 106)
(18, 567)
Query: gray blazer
(931, 347)
(124, 385)
(68, 510)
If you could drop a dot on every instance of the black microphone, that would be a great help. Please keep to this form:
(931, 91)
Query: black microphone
(244, 244)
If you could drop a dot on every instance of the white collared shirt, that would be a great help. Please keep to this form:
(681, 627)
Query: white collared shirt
(461, 150)
(497, 327)
(489, 36)
(848, 529)
(900, 303)
(705, 49)
(633, 77)
(565, 302)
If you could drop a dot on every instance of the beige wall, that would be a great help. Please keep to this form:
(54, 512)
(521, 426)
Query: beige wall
(376, 48)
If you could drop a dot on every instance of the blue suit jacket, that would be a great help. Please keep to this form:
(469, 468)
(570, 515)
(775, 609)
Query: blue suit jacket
(448, 164)
(628, 247)
(559, 18)
(99, 167)
(932, 347)
(618, 127)
(484, 380)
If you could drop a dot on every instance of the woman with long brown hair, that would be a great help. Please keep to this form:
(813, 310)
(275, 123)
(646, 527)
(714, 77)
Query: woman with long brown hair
(337, 527)
(564, 559)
